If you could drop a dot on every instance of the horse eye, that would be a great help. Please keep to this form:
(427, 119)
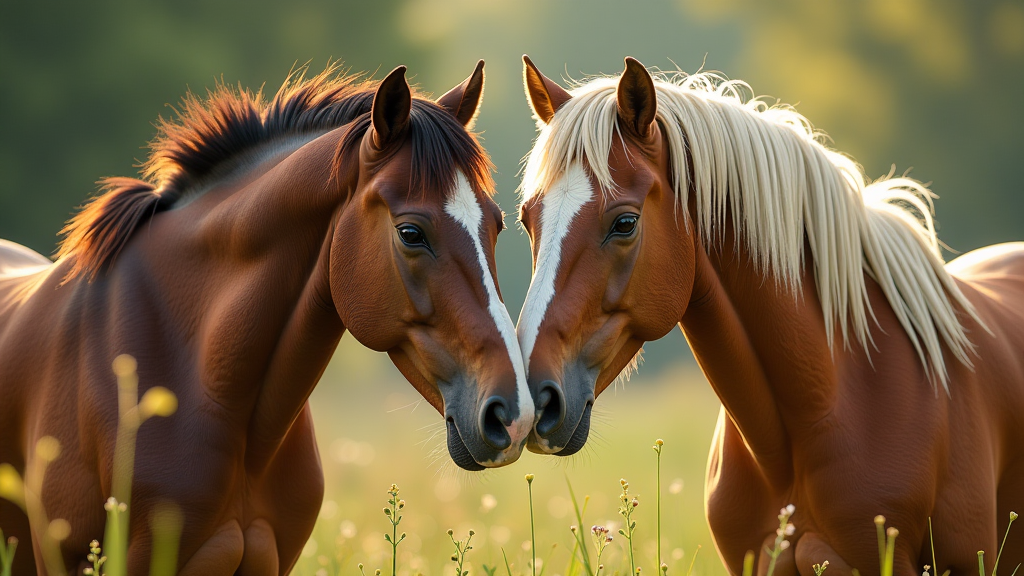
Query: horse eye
(624, 225)
(411, 235)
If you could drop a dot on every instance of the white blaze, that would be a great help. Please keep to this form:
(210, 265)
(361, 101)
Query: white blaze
(464, 208)
(558, 209)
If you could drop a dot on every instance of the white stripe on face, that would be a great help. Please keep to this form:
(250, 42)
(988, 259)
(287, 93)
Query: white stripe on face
(464, 208)
(558, 208)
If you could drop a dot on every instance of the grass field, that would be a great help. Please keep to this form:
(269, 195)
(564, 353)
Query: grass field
(396, 505)
(373, 431)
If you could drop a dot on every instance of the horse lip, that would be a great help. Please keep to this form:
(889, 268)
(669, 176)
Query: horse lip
(458, 450)
(574, 442)
(580, 433)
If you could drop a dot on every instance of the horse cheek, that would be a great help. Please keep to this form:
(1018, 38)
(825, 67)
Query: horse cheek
(364, 287)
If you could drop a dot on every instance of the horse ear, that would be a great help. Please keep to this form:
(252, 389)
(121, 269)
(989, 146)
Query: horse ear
(637, 101)
(391, 106)
(463, 101)
(544, 95)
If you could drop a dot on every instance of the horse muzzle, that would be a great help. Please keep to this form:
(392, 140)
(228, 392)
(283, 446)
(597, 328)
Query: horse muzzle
(489, 439)
(563, 421)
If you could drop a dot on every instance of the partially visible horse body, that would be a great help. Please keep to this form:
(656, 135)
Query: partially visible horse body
(271, 229)
(858, 374)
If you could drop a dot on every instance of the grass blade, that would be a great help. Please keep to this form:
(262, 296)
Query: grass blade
(694, 559)
(580, 539)
(931, 539)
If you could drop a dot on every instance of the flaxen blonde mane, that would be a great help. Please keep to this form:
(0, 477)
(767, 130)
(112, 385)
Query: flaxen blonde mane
(768, 168)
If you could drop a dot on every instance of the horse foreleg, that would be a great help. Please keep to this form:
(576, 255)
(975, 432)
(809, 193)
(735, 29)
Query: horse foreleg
(221, 555)
(785, 564)
(812, 549)
(260, 557)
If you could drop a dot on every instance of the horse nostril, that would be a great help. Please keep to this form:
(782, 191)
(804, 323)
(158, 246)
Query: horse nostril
(552, 408)
(494, 418)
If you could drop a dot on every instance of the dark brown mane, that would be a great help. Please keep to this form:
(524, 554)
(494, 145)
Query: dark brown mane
(440, 146)
(208, 132)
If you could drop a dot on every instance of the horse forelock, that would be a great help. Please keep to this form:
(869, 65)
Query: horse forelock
(769, 169)
(441, 149)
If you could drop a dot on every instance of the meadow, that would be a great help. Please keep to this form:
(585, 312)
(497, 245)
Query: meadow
(395, 505)
(374, 433)
(374, 430)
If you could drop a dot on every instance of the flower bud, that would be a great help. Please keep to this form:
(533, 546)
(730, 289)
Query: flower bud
(124, 365)
(48, 448)
(59, 529)
(11, 486)
(158, 401)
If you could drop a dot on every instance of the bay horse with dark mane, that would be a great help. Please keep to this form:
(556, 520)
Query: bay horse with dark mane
(262, 231)
(858, 373)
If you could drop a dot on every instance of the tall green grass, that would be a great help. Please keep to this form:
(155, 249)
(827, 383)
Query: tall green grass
(27, 494)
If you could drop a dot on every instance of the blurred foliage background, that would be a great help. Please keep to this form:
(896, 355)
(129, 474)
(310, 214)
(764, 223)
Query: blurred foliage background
(933, 85)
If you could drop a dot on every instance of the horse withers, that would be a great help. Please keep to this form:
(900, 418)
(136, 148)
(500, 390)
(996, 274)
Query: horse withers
(261, 232)
(858, 374)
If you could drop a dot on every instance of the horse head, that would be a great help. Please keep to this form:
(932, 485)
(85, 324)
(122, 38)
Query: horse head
(613, 253)
(412, 266)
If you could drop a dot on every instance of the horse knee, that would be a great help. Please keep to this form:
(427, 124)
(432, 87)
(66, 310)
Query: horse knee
(812, 549)
(221, 555)
(785, 564)
(260, 556)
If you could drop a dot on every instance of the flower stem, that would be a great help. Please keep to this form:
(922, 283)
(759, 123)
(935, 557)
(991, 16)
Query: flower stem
(533, 531)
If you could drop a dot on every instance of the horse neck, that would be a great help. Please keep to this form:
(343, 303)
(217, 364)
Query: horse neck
(763, 349)
(268, 327)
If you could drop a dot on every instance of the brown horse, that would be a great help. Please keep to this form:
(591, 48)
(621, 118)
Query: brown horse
(858, 374)
(262, 232)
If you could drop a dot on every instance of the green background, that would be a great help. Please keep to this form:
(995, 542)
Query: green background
(936, 86)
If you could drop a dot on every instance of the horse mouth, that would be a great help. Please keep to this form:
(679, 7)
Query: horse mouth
(576, 441)
(579, 435)
(459, 451)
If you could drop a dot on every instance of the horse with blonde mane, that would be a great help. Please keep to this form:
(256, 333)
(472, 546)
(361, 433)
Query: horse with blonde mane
(858, 373)
(263, 230)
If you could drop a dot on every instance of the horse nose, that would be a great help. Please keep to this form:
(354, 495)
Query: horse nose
(552, 408)
(494, 421)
